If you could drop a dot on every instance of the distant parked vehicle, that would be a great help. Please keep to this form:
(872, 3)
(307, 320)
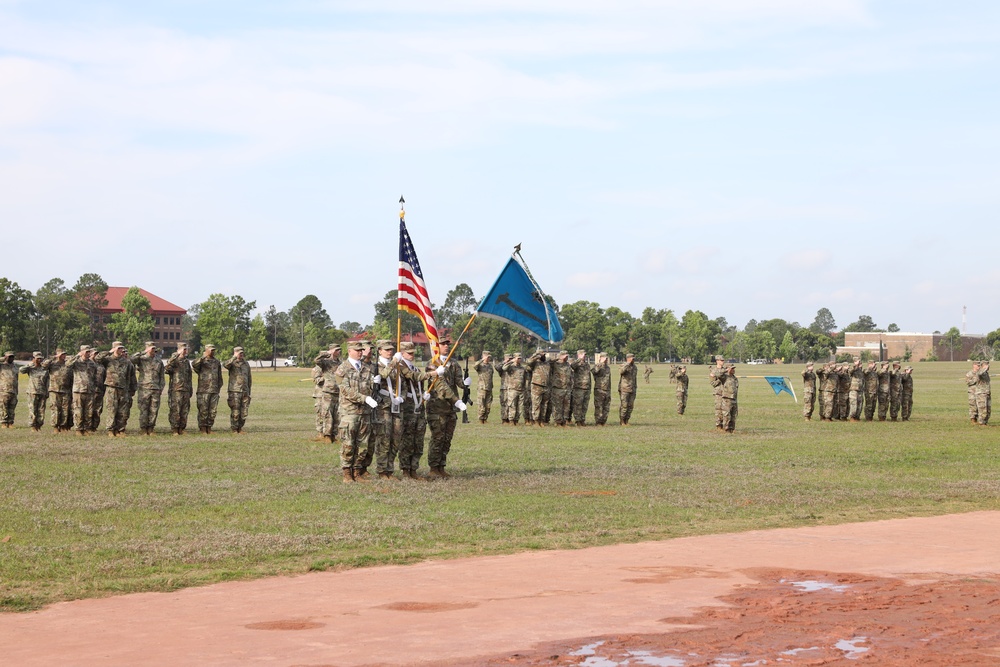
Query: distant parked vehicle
(292, 361)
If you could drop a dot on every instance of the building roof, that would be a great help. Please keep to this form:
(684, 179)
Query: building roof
(156, 304)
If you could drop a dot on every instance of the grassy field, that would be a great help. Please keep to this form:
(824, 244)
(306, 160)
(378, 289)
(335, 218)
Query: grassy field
(101, 516)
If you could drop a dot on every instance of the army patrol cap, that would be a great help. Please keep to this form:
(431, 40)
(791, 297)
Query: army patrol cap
(444, 341)
(237, 349)
(407, 346)
(581, 352)
(117, 344)
(8, 354)
(181, 346)
(209, 347)
(563, 351)
(59, 351)
(895, 363)
(84, 348)
(487, 352)
(356, 345)
(386, 345)
(517, 355)
(36, 355)
(629, 355)
(149, 343)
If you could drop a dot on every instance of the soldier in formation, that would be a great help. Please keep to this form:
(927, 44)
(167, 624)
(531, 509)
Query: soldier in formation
(514, 374)
(730, 392)
(178, 368)
(716, 380)
(151, 380)
(484, 389)
(582, 384)
(541, 369)
(329, 399)
(240, 384)
(808, 391)
(38, 390)
(647, 371)
(602, 388)
(209, 370)
(906, 392)
(8, 389)
(982, 392)
(60, 391)
(852, 392)
(681, 379)
(354, 382)
(562, 388)
(627, 387)
(442, 400)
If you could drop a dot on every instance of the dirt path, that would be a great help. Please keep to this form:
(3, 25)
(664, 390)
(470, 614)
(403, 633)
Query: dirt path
(903, 592)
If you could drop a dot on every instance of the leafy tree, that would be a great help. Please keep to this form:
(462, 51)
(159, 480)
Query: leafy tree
(189, 327)
(695, 336)
(892, 328)
(90, 295)
(278, 325)
(134, 324)
(16, 312)
(824, 322)
(670, 328)
(224, 322)
(787, 349)
(617, 330)
(257, 345)
(761, 344)
(351, 328)
(386, 313)
(864, 323)
(309, 315)
(57, 323)
(952, 339)
(583, 324)
(458, 302)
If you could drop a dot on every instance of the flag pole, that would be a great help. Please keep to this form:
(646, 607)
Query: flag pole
(545, 304)
(399, 318)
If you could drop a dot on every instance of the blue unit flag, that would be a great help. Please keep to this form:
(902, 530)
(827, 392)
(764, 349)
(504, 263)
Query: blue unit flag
(516, 299)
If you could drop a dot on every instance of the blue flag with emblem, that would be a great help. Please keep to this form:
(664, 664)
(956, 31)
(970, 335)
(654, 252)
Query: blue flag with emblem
(780, 384)
(517, 299)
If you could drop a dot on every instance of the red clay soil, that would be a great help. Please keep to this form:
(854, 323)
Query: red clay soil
(921, 591)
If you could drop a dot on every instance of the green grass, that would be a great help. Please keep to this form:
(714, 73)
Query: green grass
(100, 516)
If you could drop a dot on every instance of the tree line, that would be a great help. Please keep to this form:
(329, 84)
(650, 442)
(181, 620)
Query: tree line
(57, 315)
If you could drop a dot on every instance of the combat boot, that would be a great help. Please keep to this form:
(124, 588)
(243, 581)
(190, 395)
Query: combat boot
(348, 476)
(362, 475)
(435, 473)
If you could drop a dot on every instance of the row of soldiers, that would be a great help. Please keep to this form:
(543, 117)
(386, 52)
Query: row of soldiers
(851, 391)
(379, 408)
(549, 388)
(90, 383)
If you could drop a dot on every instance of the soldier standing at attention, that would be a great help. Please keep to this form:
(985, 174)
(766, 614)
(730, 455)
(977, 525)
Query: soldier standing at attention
(715, 379)
(906, 406)
(971, 380)
(499, 366)
(871, 390)
(843, 392)
(84, 376)
(411, 442)
(540, 368)
(829, 388)
(354, 381)
(562, 388)
(99, 390)
(38, 390)
(895, 390)
(240, 383)
(513, 376)
(484, 388)
(328, 362)
(60, 391)
(150, 371)
(387, 425)
(581, 388)
(317, 380)
(808, 391)
(681, 378)
(375, 425)
(442, 399)
(602, 388)
(627, 387)
(856, 396)
(883, 390)
(730, 392)
(118, 367)
(526, 393)
(179, 393)
(209, 371)
(8, 389)
(984, 400)
(646, 373)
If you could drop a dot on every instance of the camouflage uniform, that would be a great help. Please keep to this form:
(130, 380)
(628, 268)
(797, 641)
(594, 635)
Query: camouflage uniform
(8, 390)
(906, 406)
(414, 420)
(484, 387)
(329, 408)
(501, 378)
(117, 385)
(895, 390)
(682, 380)
(209, 370)
(387, 425)
(97, 404)
(38, 391)
(562, 388)
(883, 391)
(353, 378)
(529, 418)
(602, 390)
(984, 400)
(150, 371)
(317, 380)
(627, 387)
(871, 390)
(843, 392)
(581, 388)
(441, 417)
(730, 392)
(715, 379)
(809, 392)
(240, 384)
(514, 374)
(60, 391)
(647, 371)
(541, 370)
(971, 380)
(828, 388)
(84, 372)
(856, 392)
(179, 393)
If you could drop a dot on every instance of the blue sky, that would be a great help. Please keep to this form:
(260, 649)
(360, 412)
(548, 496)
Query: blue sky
(748, 158)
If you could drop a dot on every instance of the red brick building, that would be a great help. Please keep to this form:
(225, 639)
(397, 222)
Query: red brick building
(166, 316)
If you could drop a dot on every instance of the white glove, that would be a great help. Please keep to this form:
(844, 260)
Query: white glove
(441, 370)
(460, 405)
(427, 395)
(377, 379)
(397, 400)
(397, 356)
(467, 382)
(372, 403)
(384, 392)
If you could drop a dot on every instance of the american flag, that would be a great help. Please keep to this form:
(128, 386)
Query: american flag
(412, 295)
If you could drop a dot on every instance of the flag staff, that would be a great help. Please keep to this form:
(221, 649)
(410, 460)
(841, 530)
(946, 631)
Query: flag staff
(399, 318)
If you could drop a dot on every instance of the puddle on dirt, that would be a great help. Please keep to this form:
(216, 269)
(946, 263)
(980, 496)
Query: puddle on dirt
(851, 649)
(645, 658)
(811, 586)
